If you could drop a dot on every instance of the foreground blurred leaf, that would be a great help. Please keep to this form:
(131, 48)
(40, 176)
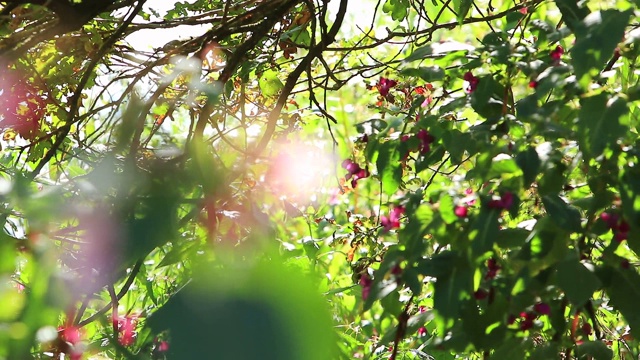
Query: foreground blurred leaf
(277, 310)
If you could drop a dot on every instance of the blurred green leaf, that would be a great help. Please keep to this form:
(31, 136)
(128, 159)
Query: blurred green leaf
(573, 12)
(426, 73)
(598, 123)
(565, 216)
(596, 350)
(484, 231)
(529, 162)
(597, 36)
(286, 319)
(576, 281)
(624, 291)
(388, 164)
(462, 8)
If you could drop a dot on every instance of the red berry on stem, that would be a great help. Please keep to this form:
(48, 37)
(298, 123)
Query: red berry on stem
(461, 211)
(422, 331)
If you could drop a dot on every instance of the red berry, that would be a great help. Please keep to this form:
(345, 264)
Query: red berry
(621, 236)
(542, 308)
(556, 54)
(396, 270)
(624, 226)
(492, 264)
(480, 294)
(610, 219)
(461, 211)
(422, 331)
(586, 328)
(526, 324)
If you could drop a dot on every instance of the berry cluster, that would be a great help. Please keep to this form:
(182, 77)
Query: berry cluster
(22, 108)
(492, 269)
(502, 203)
(355, 172)
(472, 82)
(619, 226)
(528, 317)
(393, 220)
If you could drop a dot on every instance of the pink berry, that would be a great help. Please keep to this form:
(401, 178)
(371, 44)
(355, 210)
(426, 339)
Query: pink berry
(461, 211)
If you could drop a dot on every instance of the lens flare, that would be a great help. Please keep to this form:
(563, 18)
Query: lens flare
(298, 170)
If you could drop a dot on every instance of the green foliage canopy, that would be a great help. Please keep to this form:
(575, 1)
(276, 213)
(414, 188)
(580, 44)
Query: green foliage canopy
(408, 180)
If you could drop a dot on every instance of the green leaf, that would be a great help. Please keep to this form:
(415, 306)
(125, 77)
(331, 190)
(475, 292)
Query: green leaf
(630, 194)
(545, 246)
(573, 11)
(176, 255)
(503, 165)
(598, 36)
(440, 265)
(624, 293)
(129, 123)
(237, 297)
(598, 123)
(300, 36)
(486, 100)
(564, 215)
(456, 142)
(447, 209)
(397, 8)
(486, 328)
(512, 237)
(484, 231)
(438, 50)
(389, 169)
(529, 162)
(512, 348)
(340, 290)
(576, 281)
(435, 155)
(462, 8)
(545, 351)
(553, 179)
(451, 290)
(382, 285)
(269, 83)
(412, 235)
(426, 73)
(596, 350)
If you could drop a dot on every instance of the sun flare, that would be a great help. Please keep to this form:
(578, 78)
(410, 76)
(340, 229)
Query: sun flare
(298, 170)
